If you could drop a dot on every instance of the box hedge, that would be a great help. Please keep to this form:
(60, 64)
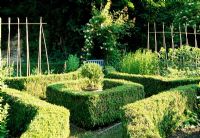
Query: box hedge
(30, 117)
(36, 85)
(159, 115)
(154, 84)
(93, 109)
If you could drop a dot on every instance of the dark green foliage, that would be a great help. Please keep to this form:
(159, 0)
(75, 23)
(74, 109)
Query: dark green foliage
(159, 115)
(72, 63)
(154, 84)
(188, 14)
(104, 31)
(30, 117)
(92, 109)
(108, 69)
(36, 85)
(3, 118)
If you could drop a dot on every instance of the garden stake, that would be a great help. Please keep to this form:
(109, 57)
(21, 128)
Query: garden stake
(164, 43)
(180, 35)
(156, 49)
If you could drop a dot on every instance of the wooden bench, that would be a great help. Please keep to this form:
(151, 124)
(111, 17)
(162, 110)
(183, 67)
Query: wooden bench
(98, 61)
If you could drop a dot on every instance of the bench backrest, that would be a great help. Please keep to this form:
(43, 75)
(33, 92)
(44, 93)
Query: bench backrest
(99, 61)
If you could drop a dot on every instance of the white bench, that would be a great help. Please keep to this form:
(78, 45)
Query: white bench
(98, 61)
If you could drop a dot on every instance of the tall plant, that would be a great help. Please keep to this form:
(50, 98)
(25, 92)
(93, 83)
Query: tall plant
(140, 62)
(104, 30)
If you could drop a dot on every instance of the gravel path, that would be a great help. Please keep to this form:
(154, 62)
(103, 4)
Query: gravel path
(187, 133)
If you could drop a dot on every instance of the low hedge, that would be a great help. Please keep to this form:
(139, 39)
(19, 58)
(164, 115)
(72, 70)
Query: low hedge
(92, 109)
(153, 84)
(30, 117)
(159, 115)
(36, 85)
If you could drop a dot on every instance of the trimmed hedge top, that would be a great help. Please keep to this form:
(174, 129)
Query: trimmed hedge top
(30, 117)
(159, 115)
(36, 85)
(92, 109)
(154, 84)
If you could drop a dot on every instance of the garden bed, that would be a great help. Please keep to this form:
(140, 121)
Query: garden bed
(92, 109)
(159, 115)
(29, 117)
(154, 84)
(36, 85)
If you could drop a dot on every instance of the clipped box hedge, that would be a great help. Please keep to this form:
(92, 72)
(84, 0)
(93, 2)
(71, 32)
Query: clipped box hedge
(36, 85)
(93, 109)
(159, 115)
(30, 117)
(154, 84)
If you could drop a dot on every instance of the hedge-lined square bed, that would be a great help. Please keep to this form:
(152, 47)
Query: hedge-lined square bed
(30, 117)
(159, 115)
(36, 85)
(92, 109)
(154, 84)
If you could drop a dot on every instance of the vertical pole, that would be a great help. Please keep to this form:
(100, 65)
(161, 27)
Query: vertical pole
(180, 35)
(148, 46)
(40, 49)
(17, 47)
(186, 35)
(18, 50)
(195, 35)
(46, 51)
(0, 45)
(27, 52)
(172, 36)
(196, 45)
(156, 47)
(8, 52)
(164, 42)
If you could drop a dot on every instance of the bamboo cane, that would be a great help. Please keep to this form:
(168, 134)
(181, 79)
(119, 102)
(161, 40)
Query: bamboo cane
(180, 36)
(155, 38)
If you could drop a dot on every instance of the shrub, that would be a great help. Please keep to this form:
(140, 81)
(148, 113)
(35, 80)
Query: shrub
(72, 63)
(183, 61)
(159, 115)
(94, 75)
(3, 118)
(108, 69)
(36, 85)
(104, 31)
(154, 84)
(30, 117)
(140, 62)
(92, 109)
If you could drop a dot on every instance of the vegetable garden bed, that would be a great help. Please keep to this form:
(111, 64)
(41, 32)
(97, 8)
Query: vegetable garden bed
(92, 109)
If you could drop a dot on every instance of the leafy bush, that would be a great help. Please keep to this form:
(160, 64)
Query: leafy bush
(104, 31)
(159, 115)
(30, 117)
(72, 63)
(183, 61)
(108, 69)
(140, 62)
(154, 84)
(94, 75)
(90, 110)
(3, 118)
(36, 85)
